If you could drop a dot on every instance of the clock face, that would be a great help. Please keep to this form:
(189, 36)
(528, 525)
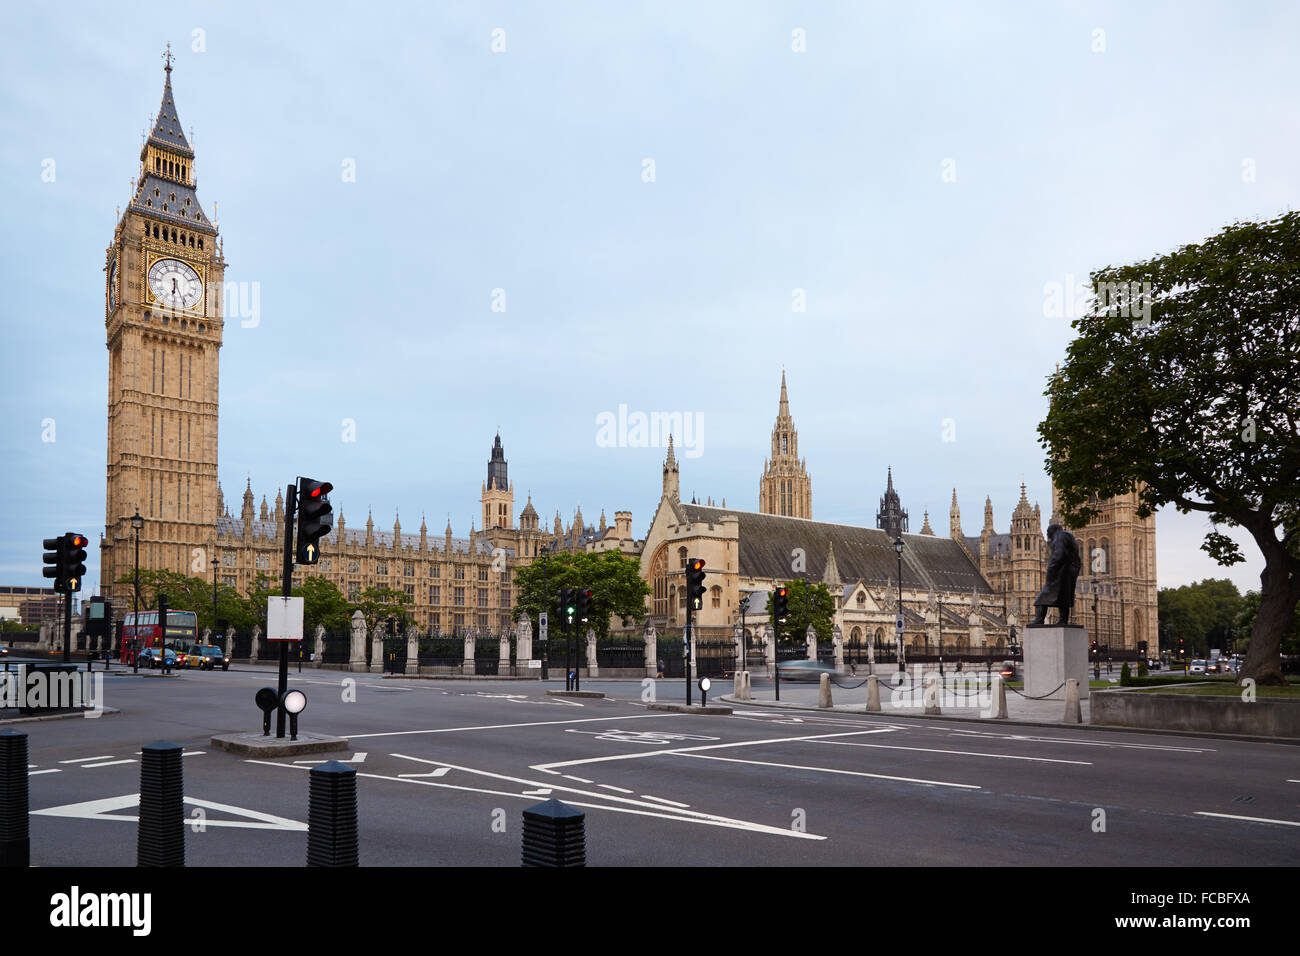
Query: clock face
(112, 286)
(175, 283)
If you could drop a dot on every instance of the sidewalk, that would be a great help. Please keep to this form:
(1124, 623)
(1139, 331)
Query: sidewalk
(958, 700)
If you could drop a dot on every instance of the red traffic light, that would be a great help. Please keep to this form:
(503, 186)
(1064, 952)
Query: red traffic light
(782, 592)
(324, 488)
(697, 564)
(79, 541)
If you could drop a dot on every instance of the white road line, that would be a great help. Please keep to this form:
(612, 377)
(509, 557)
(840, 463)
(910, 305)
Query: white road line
(358, 757)
(964, 753)
(610, 786)
(37, 773)
(851, 773)
(671, 803)
(1293, 781)
(439, 772)
(194, 753)
(1083, 743)
(678, 816)
(109, 763)
(678, 750)
(1232, 816)
(694, 814)
(569, 776)
(540, 723)
(84, 759)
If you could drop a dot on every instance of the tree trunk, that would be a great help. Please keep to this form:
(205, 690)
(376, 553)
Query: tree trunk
(1278, 596)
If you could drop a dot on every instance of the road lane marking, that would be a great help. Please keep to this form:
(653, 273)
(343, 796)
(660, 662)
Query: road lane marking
(194, 753)
(108, 763)
(1233, 816)
(678, 816)
(104, 810)
(671, 803)
(438, 772)
(569, 776)
(610, 786)
(678, 750)
(529, 793)
(539, 723)
(37, 773)
(851, 773)
(358, 757)
(84, 759)
(964, 753)
(1083, 743)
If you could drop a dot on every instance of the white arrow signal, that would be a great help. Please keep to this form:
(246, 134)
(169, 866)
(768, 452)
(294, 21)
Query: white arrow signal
(311, 552)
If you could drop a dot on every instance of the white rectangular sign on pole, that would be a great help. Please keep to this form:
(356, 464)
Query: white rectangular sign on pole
(284, 618)
(541, 626)
(898, 623)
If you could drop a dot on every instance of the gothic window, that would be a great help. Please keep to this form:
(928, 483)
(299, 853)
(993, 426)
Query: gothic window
(1105, 555)
(483, 574)
(408, 570)
(458, 620)
(785, 444)
(482, 597)
(381, 567)
(659, 581)
(410, 591)
(717, 596)
(672, 603)
(1091, 562)
(434, 594)
(505, 597)
(325, 564)
(862, 600)
(681, 557)
(354, 567)
(435, 571)
(458, 598)
(483, 621)
(460, 572)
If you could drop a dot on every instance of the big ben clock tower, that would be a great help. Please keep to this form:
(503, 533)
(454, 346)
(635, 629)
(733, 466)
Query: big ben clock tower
(162, 311)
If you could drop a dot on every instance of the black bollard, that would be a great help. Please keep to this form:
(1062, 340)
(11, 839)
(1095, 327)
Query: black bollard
(161, 838)
(332, 816)
(15, 838)
(555, 834)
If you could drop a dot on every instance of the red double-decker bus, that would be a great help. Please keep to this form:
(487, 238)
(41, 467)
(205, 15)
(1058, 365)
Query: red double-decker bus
(142, 632)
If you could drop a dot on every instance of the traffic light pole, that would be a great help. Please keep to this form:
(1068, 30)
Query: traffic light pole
(290, 510)
(690, 628)
(67, 626)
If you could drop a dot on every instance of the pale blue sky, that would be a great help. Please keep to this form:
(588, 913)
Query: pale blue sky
(522, 171)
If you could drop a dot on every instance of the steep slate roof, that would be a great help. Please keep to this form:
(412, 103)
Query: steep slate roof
(865, 554)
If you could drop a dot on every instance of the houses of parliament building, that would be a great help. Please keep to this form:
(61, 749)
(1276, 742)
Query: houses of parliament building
(164, 270)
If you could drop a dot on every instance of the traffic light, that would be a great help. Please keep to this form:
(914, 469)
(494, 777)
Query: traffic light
(780, 598)
(584, 604)
(315, 517)
(53, 559)
(695, 583)
(568, 604)
(75, 569)
(65, 558)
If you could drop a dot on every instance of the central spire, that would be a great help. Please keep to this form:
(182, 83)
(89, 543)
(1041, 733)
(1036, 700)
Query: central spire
(785, 488)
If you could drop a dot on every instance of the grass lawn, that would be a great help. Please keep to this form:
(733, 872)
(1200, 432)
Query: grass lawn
(1225, 689)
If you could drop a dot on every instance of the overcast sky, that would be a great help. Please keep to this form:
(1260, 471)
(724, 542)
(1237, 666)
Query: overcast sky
(651, 191)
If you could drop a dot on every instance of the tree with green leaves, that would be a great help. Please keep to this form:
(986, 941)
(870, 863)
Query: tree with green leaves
(795, 627)
(1199, 614)
(1181, 386)
(323, 603)
(618, 590)
(379, 604)
(186, 594)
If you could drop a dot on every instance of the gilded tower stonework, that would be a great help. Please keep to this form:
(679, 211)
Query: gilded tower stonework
(162, 312)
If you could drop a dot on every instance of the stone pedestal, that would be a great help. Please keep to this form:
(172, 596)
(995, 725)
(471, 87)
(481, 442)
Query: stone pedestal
(357, 650)
(1053, 655)
(412, 650)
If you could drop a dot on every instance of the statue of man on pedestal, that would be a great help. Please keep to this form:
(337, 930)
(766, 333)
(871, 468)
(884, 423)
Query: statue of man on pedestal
(1063, 566)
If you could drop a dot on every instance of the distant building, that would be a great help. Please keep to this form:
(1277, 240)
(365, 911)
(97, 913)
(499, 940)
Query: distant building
(32, 605)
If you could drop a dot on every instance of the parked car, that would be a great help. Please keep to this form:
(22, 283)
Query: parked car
(152, 657)
(1153, 664)
(207, 657)
(804, 670)
(1197, 667)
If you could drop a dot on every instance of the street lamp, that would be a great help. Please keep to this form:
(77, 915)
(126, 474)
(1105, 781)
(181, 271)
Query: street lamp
(544, 551)
(744, 641)
(898, 549)
(136, 523)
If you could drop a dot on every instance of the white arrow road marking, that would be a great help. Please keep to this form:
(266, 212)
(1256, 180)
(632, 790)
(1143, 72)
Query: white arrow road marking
(1230, 816)
(850, 773)
(671, 803)
(680, 750)
(439, 772)
(635, 807)
(963, 753)
(104, 810)
(627, 804)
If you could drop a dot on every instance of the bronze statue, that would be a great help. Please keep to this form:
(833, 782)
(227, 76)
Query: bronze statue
(1062, 571)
